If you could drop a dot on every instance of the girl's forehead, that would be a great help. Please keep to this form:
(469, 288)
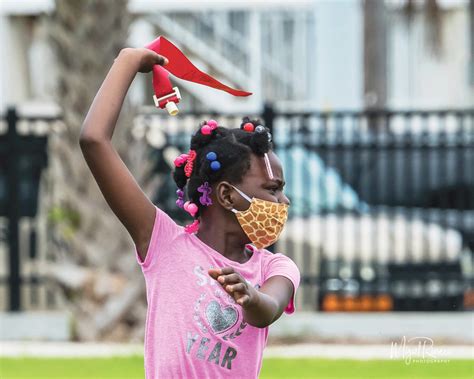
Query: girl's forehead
(258, 169)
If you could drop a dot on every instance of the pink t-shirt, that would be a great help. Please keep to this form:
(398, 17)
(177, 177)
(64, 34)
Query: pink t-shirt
(194, 329)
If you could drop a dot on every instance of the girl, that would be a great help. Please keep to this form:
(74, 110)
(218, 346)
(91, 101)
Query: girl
(212, 287)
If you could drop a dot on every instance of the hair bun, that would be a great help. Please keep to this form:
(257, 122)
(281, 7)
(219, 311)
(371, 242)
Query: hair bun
(200, 139)
(246, 120)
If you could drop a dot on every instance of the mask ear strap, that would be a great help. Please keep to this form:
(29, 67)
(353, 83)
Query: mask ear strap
(243, 194)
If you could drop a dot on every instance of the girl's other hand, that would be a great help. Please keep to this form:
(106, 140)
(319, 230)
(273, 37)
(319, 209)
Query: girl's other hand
(145, 58)
(235, 285)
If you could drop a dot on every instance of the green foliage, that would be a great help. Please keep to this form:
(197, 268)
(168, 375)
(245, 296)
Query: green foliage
(69, 220)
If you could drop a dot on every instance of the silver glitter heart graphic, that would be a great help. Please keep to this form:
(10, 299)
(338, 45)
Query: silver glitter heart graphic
(221, 319)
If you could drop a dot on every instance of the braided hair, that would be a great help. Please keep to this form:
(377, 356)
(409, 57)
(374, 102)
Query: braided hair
(232, 148)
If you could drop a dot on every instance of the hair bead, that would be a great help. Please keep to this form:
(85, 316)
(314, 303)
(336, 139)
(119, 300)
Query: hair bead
(215, 164)
(206, 130)
(249, 127)
(211, 156)
(191, 208)
(212, 124)
(180, 201)
(180, 160)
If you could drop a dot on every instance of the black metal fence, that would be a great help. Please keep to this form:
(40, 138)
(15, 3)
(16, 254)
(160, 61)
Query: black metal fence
(23, 156)
(382, 214)
(404, 238)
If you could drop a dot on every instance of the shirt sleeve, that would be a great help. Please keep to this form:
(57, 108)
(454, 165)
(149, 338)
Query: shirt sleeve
(164, 231)
(282, 265)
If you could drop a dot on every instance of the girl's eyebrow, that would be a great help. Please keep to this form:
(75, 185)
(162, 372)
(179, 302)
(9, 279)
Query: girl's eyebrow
(278, 181)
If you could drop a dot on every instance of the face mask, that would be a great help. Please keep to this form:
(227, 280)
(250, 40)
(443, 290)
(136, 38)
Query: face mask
(263, 221)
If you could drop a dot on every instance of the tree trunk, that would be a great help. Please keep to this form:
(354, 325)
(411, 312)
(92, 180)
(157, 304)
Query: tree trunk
(87, 240)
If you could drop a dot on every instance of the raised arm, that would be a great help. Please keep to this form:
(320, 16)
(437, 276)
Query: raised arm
(120, 190)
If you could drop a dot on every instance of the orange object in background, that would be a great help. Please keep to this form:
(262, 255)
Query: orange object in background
(331, 303)
(468, 302)
(366, 303)
(383, 303)
(350, 304)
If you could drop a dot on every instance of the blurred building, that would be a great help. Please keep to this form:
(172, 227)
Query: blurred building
(302, 55)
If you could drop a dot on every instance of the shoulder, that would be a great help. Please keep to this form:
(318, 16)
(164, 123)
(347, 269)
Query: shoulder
(276, 262)
(163, 235)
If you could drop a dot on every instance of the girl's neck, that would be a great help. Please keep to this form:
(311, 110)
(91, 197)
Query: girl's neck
(227, 244)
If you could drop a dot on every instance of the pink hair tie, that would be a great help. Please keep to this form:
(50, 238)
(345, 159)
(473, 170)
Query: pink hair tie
(188, 169)
(192, 228)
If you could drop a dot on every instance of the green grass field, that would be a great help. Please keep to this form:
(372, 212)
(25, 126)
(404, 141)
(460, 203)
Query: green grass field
(132, 367)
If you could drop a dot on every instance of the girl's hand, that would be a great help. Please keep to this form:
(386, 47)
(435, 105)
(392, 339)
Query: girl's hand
(235, 285)
(145, 58)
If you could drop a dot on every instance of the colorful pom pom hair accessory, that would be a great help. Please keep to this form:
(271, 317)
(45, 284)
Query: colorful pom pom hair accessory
(248, 127)
(180, 66)
(180, 160)
(215, 164)
(208, 127)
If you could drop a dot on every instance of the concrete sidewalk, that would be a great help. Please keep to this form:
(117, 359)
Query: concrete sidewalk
(454, 328)
(402, 350)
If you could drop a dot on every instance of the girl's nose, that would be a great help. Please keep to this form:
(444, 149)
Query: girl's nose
(285, 200)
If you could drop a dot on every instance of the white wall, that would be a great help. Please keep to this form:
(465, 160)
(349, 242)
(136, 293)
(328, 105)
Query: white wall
(338, 54)
(14, 75)
(27, 69)
(417, 79)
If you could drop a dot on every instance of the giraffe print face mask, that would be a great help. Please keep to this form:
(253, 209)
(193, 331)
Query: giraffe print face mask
(263, 221)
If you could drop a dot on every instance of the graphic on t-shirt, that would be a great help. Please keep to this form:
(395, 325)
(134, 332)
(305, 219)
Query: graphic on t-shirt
(221, 318)
(215, 314)
(218, 314)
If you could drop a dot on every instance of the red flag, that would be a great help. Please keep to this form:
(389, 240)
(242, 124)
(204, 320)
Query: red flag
(180, 66)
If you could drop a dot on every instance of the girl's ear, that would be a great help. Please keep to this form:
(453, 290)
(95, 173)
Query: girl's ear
(224, 195)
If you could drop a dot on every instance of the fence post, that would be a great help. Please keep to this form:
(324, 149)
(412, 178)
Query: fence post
(471, 33)
(268, 115)
(13, 210)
